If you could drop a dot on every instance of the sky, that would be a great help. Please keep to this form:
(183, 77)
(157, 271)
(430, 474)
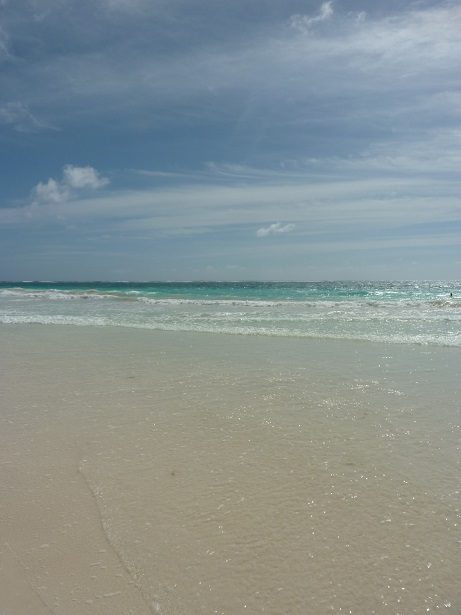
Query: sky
(216, 140)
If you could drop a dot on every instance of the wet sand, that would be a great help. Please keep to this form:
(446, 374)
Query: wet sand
(147, 472)
(55, 557)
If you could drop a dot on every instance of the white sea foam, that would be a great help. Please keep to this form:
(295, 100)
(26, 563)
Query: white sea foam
(231, 328)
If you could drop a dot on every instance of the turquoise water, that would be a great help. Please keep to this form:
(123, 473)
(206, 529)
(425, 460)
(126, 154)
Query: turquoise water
(400, 312)
(256, 291)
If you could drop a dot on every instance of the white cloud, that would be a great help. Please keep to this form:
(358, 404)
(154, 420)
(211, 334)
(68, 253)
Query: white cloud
(51, 192)
(83, 177)
(275, 228)
(74, 178)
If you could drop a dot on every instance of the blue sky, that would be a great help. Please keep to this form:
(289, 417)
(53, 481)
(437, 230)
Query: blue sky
(203, 139)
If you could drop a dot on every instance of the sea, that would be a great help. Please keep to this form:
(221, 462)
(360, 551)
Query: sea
(410, 312)
(282, 448)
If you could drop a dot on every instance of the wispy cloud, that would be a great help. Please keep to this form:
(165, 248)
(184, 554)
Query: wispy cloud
(353, 56)
(18, 115)
(4, 51)
(303, 23)
(312, 204)
(275, 228)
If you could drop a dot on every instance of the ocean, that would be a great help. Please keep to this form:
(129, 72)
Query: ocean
(281, 448)
(394, 312)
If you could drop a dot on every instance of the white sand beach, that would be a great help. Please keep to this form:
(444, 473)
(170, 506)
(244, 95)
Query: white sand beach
(156, 472)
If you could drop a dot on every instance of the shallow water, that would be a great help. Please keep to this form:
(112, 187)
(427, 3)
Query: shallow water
(239, 474)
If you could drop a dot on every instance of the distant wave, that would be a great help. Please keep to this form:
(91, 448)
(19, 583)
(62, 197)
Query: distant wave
(55, 294)
(138, 296)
